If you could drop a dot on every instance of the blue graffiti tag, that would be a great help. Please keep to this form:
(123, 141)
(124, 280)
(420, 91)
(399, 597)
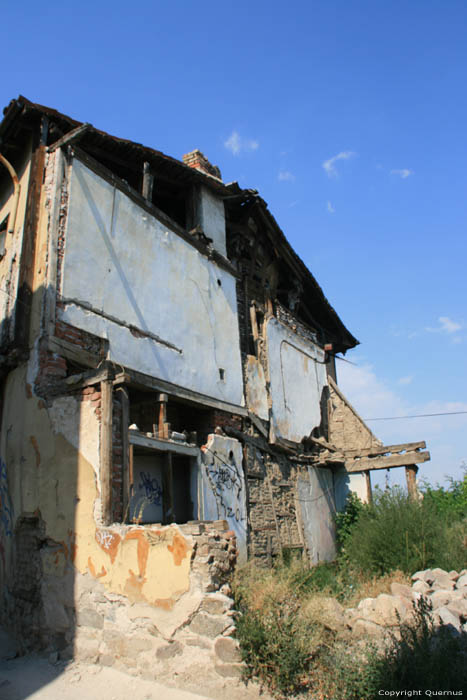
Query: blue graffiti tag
(6, 506)
(152, 488)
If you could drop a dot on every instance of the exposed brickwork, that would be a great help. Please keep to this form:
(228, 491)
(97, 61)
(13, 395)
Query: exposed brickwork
(87, 341)
(52, 369)
(222, 419)
(197, 160)
(92, 394)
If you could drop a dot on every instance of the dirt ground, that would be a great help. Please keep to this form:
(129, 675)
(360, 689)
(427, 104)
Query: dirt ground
(37, 678)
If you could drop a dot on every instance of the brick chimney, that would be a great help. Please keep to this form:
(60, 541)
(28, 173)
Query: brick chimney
(197, 160)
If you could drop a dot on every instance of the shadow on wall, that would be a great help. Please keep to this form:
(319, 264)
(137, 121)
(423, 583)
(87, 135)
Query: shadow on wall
(38, 500)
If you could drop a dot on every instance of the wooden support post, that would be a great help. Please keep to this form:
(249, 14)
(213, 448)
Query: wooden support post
(130, 478)
(106, 449)
(167, 490)
(122, 393)
(254, 327)
(411, 476)
(162, 415)
(369, 495)
(148, 181)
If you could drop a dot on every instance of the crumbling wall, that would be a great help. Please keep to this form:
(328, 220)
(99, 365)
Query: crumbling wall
(274, 524)
(297, 377)
(128, 595)
(348, 431)
(223, 490)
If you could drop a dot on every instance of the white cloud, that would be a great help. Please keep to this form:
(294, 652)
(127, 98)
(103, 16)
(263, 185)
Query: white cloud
(330, 165)
(402, 172)
(330, 208)
(285, 176)
(405, 380)
(236, 144)
(444, 435)
(446, 325)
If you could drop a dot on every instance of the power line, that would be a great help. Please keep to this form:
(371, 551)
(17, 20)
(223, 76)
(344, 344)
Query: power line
(420, 415)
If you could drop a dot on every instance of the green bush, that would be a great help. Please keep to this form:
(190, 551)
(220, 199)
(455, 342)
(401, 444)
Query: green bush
(396, 532)
(451, 501)
(273, 647)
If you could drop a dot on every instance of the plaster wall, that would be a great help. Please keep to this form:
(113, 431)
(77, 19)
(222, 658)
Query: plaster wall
(127, 264)
(211, 215)
(223, 491)
(318, 508)
(255, 388)
(345, 483)
(297, 378)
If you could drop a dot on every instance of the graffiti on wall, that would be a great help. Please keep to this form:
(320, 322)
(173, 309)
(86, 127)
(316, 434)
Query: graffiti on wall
(223, 486)
(151, 487)
(225, 479)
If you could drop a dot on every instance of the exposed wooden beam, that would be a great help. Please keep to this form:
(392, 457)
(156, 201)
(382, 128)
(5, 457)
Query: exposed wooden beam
(144, 381)
(385, 449)
(140, 440)
(148, 181)
(404, 460)
(122, 393)
(72, 136)
(106, 449)
(73, 352)
(369, 494)
(411, 476)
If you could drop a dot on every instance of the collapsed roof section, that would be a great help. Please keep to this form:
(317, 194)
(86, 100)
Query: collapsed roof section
(175, 179)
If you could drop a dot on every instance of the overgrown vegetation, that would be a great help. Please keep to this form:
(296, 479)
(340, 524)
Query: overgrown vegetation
(423, 658)
(291, 632)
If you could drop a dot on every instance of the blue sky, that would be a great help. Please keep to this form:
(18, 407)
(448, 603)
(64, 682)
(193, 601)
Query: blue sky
(349, 118)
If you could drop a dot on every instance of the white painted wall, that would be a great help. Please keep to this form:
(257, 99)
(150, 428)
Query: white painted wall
(296, 379)
(123, 261)
(211, 214)
(346, 482)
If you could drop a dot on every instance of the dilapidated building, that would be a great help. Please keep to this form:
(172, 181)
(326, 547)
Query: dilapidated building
(169, 396)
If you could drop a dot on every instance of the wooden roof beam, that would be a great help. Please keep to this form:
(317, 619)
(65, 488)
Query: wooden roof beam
(399, 460)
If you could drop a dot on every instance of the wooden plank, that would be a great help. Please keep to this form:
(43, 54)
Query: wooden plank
(148, 181)
(144, 381)
(167, 490)
(73, 352)
(52, 261)
(152, 443)
(405, 460)
(106, 450)
(369, 494)
(70, 137)
(27, 258)
(257, 422)
(384, 449)
(122, 393)
(411, 477)
(131, 479)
